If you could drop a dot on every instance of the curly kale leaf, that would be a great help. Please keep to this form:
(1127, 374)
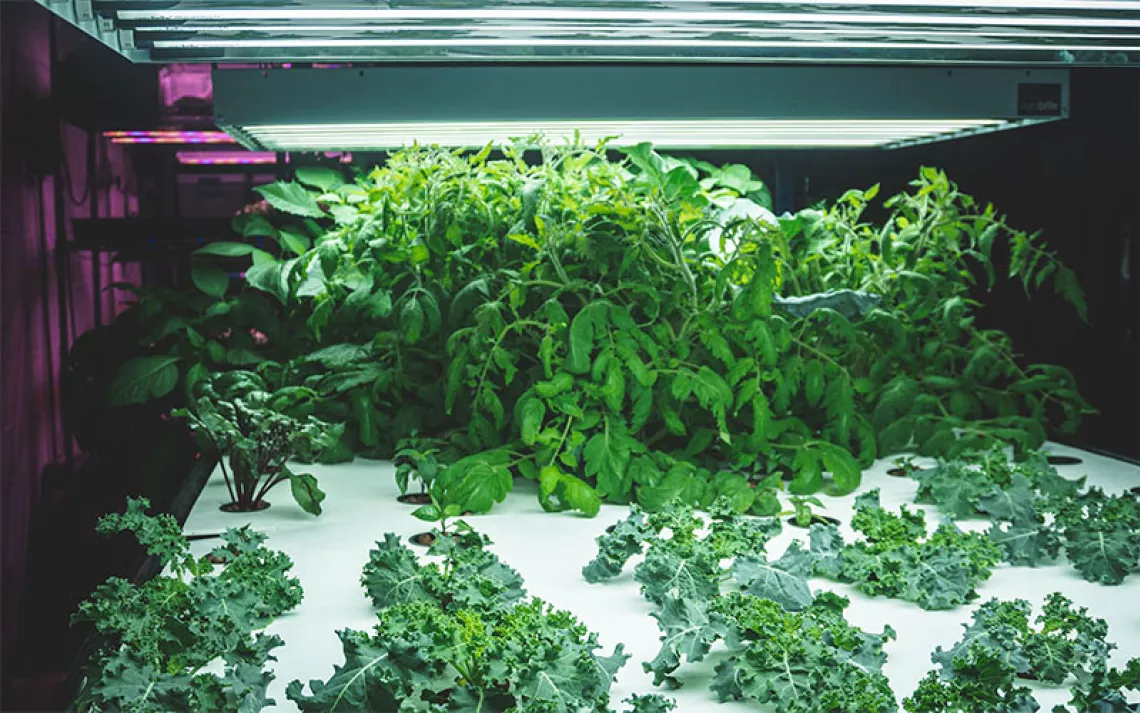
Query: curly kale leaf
(880, 526)
(784, 581)
(378, 673)
(954, 487)
(689, 631)
(652, 703)
(1065, 641)
(393, 574)
(667, 572)
(1102, 690)
(1026, 544)
(977, 680)
(938, 572)
(737, 536)
(259, 569)
(1016, 503)
(458, 637)
(160, 534)
(551, 659)
(981, 481)
(162, 631)
(801, 662)
(471, 577)
(1101, 534)
(622, 541)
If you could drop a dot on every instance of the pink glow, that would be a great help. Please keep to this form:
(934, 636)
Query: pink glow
(225, 158)
(168, 137)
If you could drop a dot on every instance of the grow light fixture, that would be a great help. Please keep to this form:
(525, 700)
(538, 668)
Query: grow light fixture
(1069, 32)
(679, 106)
(168, 137)
(243, 158)
(225, 158)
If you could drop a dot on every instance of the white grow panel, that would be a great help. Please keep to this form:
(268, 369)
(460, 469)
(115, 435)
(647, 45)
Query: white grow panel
(549, 551)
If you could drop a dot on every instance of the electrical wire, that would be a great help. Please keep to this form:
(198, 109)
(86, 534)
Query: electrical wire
(66, 171)
(45, 273)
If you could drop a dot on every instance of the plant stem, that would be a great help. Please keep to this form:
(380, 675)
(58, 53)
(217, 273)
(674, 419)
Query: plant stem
(226, 476)
(558, 448)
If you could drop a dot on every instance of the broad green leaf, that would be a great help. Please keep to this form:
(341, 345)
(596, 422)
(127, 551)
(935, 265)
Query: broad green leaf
(142, 379)
(607, 455)
(532, 412)
(559, 491)
(209, 278)
(226, 249)
(322, 178)
(291, 198)
(306, 492)
(588, 325)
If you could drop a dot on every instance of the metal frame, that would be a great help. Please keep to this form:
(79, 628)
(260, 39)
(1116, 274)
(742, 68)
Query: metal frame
(410, 95)
(1020, 32)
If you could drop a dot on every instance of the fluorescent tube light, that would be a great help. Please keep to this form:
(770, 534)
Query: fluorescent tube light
(668, 134)
(675, 107)
(549, 42)
(531, 30)
(605, 15)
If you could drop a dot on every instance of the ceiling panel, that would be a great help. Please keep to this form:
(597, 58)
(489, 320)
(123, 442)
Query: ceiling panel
(1023, 32)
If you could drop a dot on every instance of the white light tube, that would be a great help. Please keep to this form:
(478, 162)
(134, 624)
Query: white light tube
(690, 134)
(550, 42)
(597, 15)
(565, 29)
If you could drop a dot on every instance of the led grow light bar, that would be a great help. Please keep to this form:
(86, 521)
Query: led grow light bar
(690, 106)
(1068, 32)
(225, 158)
(168, 137)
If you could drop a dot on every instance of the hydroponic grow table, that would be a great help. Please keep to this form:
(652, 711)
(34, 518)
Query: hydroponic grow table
(549, 550)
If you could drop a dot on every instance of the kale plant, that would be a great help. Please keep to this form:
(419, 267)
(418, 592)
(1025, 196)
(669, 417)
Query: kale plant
(460, 635)
(785, 646)
(981, 671)
(896, 558)
(160, 635)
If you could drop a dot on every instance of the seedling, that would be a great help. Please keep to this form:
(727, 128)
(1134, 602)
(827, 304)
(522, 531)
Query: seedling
(801, 512)
(904, 466)
(441, 512)
(416, 460)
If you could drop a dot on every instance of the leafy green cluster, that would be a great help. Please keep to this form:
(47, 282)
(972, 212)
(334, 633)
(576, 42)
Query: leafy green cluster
(802, 662)
(460, 635)
(961, 487)
(785, 646)
(897, 559)
(686, 562)
(619, 330)
(163, 632)
(1036, 513)
(1100, 533)
(257, 432)
(980, 671)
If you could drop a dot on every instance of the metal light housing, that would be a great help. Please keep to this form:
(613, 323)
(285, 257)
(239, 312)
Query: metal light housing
(673, 106)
